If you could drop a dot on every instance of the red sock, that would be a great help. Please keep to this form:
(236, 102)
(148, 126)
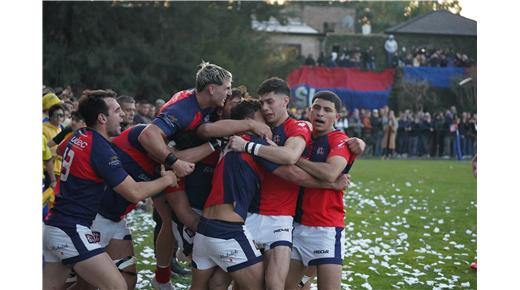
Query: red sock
(162, 274)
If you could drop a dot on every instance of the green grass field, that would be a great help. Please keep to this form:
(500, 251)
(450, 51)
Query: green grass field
(410, 224)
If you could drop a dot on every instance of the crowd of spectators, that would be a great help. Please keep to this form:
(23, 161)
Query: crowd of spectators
(410, 134)
(416, 56)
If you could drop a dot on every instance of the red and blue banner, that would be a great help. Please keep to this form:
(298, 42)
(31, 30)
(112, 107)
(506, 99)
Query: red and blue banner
(437, 77)
(355, 87)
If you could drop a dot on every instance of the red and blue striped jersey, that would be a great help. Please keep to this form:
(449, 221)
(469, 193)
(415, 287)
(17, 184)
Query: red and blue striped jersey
(278, 196)
(180, 114)
(113, 206)
(324, 207)
(89, 165)
(238, 179)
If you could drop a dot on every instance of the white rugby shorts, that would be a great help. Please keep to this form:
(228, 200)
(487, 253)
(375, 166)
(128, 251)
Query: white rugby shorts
(270, 231)
(318, 245)
(227, 245)
(70, 244)
(108, 230)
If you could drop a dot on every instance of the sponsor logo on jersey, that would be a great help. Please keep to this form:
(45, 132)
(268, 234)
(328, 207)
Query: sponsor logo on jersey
(114, 161)
(321, 252)
(281, 230)
(276, 139)
(93, 238)
(320, 151)
(79, 142)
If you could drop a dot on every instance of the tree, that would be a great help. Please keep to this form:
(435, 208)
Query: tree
(151, 49)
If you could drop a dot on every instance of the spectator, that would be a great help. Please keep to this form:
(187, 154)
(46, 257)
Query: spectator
(152, 112)
(344, 59)
(158, 105)
(342, 123)
(127, 104)
(355, 125)
(50, 99)
(448, 136)
(377, 132)
(390, 47)
(51, 129)
(321, 59)
(331, 61)
(469, 134)
(369, 58)
(426, 135)
(390, 133)
(367, 132)
(141, 116)
(403, 133)
(310, 60)
(438, 136)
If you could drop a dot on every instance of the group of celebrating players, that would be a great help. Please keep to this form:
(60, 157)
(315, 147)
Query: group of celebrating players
(249, 194)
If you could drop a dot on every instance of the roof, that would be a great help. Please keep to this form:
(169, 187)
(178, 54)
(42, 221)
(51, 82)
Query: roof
(441, 22)
(292, 26)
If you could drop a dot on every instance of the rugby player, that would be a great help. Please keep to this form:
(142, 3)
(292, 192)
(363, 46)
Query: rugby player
(89, 165)
(318, 236)
(185, 112)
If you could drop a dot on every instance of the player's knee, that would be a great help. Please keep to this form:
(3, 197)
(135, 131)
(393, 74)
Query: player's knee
(219, 283)
(127, 268)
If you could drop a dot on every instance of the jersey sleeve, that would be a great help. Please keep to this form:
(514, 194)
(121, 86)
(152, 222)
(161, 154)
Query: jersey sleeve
(339, 147)
(299, 128)
(268, 165)
(107, 165)
(168, 123)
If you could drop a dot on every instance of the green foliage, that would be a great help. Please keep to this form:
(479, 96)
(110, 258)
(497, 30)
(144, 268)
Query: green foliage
(151, 49)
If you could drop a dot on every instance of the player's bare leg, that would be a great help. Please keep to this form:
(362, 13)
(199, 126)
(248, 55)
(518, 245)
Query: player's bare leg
(101, 272)
(329, 277)
(181, 206)
(296, 271)
(277, 267)
(116, 249)
(200, 278)
(250, 278)
(54, 275)
(121, 249)
(220, 280)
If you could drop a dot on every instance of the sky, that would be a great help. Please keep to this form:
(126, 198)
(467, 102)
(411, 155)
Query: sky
(469, 9)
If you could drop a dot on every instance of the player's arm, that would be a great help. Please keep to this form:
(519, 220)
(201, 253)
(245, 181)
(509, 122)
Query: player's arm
(286, 155)
(136, 191)
(197, 153)
(152, 138)
(224, 128)
(298, 176)
(356, 145)
(328, 171)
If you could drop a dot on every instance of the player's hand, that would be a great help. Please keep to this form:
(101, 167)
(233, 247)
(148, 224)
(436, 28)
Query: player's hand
(237, 143)
(356, 145)
(342, 182)
(271, 142)
(170, 175)
(183, 168)
(261, 129)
